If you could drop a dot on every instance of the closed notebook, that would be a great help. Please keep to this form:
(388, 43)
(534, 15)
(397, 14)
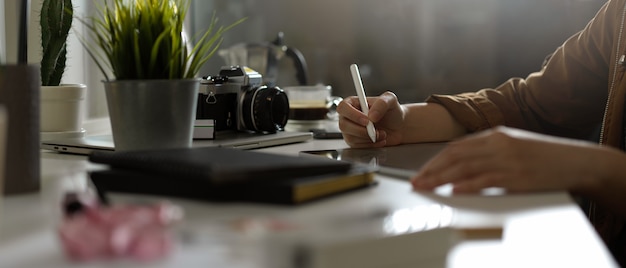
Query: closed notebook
(216, 165)
(293, 190)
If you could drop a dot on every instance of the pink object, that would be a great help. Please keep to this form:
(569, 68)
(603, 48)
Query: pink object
(133, 231)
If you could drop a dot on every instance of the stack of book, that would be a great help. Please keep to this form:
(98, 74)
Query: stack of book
(343, 247)
(364, 237)
(224, 174)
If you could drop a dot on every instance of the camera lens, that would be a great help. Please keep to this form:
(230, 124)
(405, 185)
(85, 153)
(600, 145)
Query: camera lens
(265, 109)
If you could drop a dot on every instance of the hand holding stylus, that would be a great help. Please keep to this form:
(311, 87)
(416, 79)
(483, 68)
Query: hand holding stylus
(360, 92)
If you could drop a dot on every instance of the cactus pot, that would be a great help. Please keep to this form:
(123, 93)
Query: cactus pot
(152, 114)
(61, 112)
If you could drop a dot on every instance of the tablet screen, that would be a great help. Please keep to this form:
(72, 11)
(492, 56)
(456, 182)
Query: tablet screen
(401, 161)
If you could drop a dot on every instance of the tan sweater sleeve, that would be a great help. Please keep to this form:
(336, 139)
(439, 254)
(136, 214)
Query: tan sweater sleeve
(565, 98)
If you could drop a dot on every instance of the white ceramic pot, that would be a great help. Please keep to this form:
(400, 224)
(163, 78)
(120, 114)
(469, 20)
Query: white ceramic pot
(61, 110)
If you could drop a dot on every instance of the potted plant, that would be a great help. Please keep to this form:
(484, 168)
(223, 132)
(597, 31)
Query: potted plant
(60, 110)
(152, 96)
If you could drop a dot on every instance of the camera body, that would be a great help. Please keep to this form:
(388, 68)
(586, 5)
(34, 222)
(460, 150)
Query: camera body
(237, 100)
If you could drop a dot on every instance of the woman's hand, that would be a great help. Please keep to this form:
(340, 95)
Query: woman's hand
(385, 112)
(519, 161)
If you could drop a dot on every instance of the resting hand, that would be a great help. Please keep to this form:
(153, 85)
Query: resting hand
(518, 161)
(384, 111)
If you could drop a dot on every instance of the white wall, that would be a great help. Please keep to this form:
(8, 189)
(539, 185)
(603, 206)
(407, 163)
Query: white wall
(10, 30)
(2, 35)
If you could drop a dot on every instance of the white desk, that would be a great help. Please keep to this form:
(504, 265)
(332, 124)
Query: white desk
(540, 230)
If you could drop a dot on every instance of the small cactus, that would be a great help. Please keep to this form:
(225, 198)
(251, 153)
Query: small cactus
(56, 21)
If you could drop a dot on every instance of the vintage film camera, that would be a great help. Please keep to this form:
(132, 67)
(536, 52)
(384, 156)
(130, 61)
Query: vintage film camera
(237, 100)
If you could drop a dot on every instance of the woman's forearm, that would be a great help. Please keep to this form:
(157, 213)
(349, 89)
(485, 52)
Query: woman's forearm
(429, 122)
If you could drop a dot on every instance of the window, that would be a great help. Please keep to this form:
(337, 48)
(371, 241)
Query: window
(80, 68)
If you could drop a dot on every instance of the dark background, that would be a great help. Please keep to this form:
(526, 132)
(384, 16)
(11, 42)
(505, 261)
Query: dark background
(412, 47)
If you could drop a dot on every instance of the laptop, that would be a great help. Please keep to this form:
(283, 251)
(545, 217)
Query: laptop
(230, 139)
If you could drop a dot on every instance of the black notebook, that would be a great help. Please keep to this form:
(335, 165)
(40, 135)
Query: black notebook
(294, 190)
(216, 165)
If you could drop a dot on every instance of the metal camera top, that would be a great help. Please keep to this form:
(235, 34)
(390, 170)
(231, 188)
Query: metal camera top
(239, 76)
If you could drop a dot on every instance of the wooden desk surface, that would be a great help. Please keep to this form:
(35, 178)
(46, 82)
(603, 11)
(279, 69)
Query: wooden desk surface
(539, 230)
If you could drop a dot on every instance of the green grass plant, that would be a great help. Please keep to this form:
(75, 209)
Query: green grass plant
(144, 39)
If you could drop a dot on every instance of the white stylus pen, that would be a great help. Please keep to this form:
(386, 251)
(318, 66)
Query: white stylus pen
(360, 92)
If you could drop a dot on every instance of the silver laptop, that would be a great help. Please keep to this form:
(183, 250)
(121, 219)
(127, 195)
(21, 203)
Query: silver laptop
(231, 139)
